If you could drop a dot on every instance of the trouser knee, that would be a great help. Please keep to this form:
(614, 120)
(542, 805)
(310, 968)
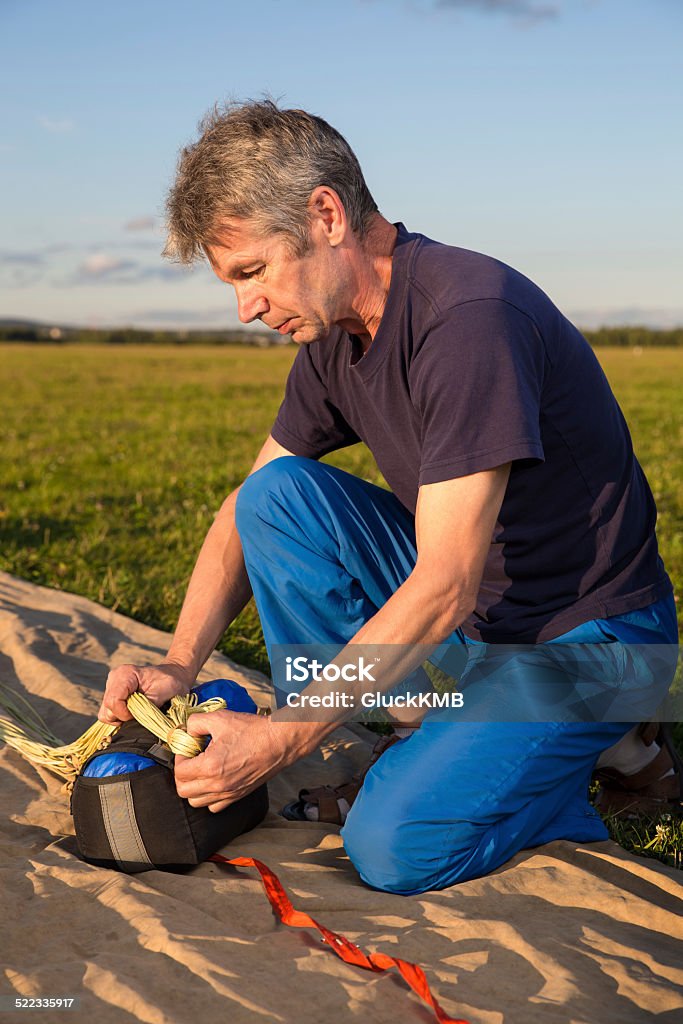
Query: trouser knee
(398, 857)
(283, 478)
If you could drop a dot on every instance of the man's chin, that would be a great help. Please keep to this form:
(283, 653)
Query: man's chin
(308, 334)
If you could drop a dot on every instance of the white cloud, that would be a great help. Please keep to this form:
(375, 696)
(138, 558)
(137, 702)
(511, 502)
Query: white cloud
(56, 125)
(526, 10)
(103, 268)
(141, 224)
(100, 264)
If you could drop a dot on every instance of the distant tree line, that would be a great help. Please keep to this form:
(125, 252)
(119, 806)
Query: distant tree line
(620, 337)
(135, 336)
(635, 337)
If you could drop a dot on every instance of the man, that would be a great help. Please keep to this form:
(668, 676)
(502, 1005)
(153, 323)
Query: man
(519, 514)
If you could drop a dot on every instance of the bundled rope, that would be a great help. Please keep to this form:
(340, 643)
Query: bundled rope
(171, 727)
(26, 732)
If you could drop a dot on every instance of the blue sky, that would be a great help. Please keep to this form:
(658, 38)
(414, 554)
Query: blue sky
(544, 132)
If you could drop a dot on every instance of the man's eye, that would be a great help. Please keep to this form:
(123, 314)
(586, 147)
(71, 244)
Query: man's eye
(255, 272)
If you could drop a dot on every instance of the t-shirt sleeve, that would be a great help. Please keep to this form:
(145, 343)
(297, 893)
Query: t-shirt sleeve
(476, 383)
(308, 423)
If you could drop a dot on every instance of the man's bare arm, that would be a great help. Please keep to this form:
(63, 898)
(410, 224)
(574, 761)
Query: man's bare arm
(454, 525)
(218, 591)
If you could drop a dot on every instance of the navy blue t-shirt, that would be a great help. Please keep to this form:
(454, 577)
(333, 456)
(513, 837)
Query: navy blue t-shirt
(472, 367)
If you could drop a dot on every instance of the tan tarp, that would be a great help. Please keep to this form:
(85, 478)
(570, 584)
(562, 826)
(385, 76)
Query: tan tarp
(563, 933)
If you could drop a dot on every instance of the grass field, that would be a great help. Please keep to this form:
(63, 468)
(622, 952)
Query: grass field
(114, 460)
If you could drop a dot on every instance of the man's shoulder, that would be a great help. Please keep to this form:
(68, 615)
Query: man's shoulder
(448, 276)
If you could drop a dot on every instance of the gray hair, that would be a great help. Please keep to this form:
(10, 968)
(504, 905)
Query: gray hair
(257, 161)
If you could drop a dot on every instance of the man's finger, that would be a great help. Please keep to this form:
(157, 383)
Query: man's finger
(196, 726)
(205, 723)
(189, 769)
(220, 806)
(107, 715)
(198, 801)
(210, 800)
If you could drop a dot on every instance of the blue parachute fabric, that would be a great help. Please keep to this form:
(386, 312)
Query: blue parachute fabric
(234, 695)
(113, 763)
(105, 765)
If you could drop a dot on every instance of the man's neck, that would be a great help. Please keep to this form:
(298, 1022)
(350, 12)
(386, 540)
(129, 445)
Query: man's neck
(372, 258)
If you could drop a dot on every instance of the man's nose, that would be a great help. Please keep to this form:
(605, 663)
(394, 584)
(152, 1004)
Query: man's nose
(250, 305)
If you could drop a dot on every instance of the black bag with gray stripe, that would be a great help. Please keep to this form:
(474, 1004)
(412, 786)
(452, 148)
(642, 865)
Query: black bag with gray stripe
(135, 820)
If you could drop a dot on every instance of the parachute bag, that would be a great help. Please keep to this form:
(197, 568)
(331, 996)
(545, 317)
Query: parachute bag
(128, 815)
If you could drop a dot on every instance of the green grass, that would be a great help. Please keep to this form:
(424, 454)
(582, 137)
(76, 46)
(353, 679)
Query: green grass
(649, 387)
(115, 459)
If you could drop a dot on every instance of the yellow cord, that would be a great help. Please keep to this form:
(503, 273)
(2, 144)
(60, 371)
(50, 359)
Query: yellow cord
(170, 728)
(41, 747)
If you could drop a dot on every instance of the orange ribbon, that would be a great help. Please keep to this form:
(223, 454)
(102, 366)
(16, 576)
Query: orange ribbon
(349, 953)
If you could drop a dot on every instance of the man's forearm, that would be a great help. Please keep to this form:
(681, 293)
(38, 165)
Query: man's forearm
(403, 633)
(218, 591)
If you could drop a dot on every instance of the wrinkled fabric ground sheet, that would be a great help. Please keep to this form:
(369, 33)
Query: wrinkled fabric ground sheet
(564, 933)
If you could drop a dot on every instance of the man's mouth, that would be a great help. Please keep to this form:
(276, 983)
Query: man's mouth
(284, 328)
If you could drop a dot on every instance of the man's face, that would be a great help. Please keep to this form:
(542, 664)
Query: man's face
(296, 295)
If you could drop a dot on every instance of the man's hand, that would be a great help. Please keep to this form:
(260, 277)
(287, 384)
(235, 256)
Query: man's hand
(158, 682)
(245, 750)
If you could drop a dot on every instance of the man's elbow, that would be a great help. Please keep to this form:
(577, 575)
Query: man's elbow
(450, 603)
(228, 506)
(455, 610)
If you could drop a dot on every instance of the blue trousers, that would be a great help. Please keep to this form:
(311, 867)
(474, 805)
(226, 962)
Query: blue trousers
(324, 550)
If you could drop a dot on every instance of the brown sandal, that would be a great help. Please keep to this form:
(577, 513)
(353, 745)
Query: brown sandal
(328, 798)
(649, 792)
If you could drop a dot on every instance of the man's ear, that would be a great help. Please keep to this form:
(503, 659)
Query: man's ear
(328, 214)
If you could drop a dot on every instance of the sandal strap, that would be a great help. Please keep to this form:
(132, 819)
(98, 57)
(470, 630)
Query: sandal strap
(327, 797)
(328, 808)
(646, 779)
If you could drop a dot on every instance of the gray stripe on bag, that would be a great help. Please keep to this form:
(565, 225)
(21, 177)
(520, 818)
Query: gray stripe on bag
(122, 829)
